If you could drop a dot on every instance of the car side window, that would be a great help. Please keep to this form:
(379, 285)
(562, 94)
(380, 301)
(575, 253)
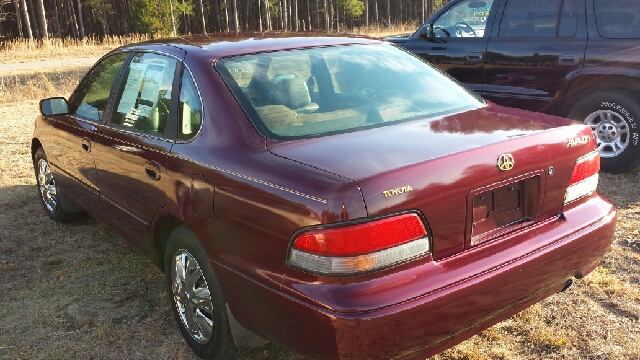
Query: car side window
(93, 93)
(143, 101)
(468, 18)
(190, 108)
(539, 18)
(618, 19)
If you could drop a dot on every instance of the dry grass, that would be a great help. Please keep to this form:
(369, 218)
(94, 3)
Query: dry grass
(17, 51)
(23, 85)
(376, 31)
(48, 271)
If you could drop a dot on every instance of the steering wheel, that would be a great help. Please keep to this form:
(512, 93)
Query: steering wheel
(444, 31)
(462, 26)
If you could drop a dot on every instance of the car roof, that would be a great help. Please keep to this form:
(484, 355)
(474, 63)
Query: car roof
(215, 46)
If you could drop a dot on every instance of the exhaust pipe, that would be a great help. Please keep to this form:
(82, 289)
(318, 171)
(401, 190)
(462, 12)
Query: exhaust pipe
(567, 285)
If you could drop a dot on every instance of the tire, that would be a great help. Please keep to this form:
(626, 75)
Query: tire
(49, 195)
(193, 309)
(615, 119)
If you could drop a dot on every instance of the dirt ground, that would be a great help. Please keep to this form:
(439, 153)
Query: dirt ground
(79, 291)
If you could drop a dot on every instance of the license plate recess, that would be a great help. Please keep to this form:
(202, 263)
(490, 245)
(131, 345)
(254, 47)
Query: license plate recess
(503, 207)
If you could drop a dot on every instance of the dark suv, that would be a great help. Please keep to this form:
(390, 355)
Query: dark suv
(573, 58)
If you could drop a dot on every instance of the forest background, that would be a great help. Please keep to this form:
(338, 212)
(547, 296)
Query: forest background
(100, 19)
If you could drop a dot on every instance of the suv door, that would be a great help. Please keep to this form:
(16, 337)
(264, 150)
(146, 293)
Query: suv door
(131, 152)
(535, 47)
(73, 145)
(455, 40)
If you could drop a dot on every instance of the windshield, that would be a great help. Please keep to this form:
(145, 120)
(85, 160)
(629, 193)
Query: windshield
(321, 91)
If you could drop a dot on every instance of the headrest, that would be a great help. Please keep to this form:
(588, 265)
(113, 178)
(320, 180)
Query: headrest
(293, 92)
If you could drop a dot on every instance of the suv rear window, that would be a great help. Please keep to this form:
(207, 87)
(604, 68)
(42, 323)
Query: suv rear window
(618, 19)
(320, 91)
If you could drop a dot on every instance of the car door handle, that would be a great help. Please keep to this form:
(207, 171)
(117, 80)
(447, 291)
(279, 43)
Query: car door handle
(474, 57)
(152, 169)
(86, 145)
(568, 60)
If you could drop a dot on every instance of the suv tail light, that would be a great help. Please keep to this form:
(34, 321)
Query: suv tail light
(361, 247)
(584, 179)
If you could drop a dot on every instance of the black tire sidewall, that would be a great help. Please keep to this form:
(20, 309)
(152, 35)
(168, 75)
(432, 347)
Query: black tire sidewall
(622, 104)
(221, 345)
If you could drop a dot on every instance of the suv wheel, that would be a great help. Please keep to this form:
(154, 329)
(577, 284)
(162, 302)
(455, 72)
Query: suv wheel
(614, 118)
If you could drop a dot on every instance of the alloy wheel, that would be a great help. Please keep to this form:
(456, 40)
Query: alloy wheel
(192, 296)
(47, 186)
(611, 132)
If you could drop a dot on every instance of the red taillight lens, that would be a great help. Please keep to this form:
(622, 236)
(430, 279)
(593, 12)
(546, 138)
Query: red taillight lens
(586, 166)
(360, 247)
(362, 238)
(584, 179)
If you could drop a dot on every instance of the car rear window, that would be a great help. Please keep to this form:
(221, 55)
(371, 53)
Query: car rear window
(328, 90)
(618, 19)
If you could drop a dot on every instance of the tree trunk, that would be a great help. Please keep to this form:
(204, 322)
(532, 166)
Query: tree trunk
(42, 19)
(173, 20)
(235, 16)
(267, 14)
(309, 15)
(72, 16)
(285, 16)
(57, 19)
(260, 15)
(16, 4)
(337, 16)
(80, 21)
(295, 9)
(366, 13)
(204, 23)
(226, 16)
(33, 22)
(388, 13)
(326, 16)
(377, 15)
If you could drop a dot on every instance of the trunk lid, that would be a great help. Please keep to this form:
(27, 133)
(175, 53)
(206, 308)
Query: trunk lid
(447, 167)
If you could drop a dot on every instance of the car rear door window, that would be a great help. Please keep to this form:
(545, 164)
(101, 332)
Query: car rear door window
(618, 19)
(190, 108)
(144, 99)
(539, 18)
(92, 94)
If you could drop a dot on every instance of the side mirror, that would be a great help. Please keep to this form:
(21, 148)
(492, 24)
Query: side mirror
(54, 106)
(425, 31)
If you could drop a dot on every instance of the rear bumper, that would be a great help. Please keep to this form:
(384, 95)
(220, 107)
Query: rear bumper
(459, 297)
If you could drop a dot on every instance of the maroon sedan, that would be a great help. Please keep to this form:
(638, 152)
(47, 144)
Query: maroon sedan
(336, 195)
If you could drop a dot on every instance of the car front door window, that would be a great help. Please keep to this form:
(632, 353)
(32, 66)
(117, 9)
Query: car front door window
(468, 18)
(93, 93)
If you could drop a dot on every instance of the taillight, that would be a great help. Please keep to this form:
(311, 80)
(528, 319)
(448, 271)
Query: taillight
(584, 179)
(361, 247)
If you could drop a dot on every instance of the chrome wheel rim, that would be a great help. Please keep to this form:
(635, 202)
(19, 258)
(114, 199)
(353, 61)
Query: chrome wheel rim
(47, 186)
(611, 132)
(192, 296)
